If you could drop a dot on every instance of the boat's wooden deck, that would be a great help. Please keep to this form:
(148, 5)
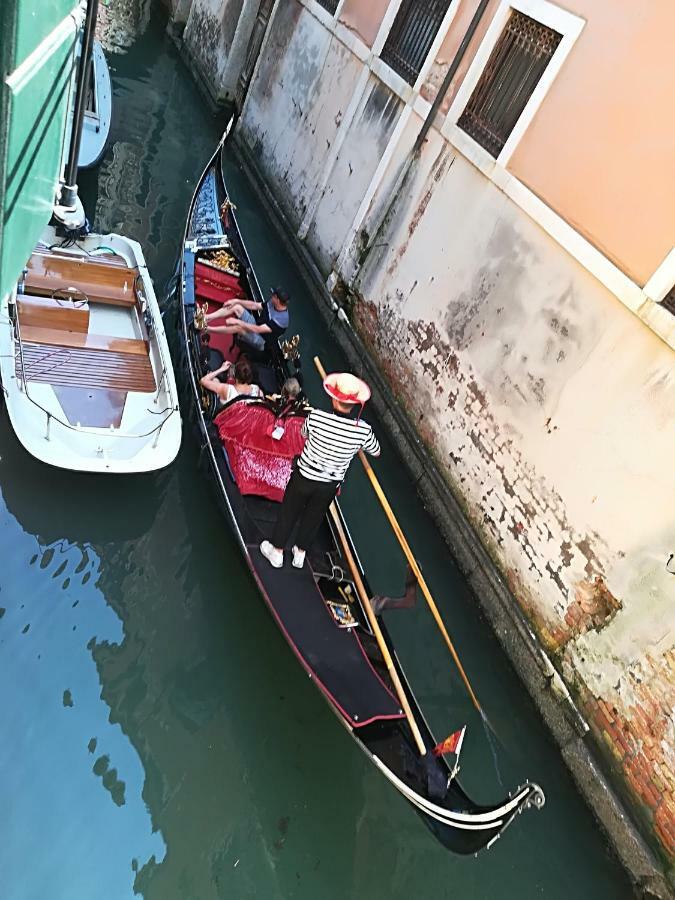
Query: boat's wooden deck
(77, 341)
(334, 656)
(55, 315)
(86, 367)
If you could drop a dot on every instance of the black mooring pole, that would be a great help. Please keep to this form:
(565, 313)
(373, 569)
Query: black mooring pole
(69, 189)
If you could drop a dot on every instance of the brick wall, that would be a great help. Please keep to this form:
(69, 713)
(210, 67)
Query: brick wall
(634, 727)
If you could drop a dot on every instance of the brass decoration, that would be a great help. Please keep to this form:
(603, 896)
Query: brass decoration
(342, 614)
(199, 320)
(291, 347)
(224, 261)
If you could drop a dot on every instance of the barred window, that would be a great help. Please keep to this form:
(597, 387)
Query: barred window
(511, 74)
(669, 301)
(412, 34)
(330, 5)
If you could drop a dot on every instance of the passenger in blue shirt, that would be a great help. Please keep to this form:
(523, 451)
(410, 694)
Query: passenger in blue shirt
(255, 335)
(274, 319)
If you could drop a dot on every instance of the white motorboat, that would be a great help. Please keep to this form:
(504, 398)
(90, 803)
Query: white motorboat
(97, 110)
(85, 366)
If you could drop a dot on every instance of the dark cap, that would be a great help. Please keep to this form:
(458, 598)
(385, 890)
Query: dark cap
(281, 294)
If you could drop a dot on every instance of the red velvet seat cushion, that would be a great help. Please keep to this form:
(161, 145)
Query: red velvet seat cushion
(212, 284)
(260, 464)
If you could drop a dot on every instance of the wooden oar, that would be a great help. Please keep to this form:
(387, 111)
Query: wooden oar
(375, 626)
(405, 546)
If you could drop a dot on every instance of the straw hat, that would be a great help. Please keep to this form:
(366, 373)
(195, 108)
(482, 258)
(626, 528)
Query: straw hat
(346, 388)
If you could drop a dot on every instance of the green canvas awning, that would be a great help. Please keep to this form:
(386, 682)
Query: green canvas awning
(37, 56)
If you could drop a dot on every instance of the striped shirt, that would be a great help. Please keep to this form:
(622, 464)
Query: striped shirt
(332, 442)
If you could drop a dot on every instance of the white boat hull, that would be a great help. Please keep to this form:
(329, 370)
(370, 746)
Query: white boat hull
(146, 435)
(96, 122)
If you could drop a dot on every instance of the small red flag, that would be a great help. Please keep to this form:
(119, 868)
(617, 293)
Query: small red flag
(452, 744)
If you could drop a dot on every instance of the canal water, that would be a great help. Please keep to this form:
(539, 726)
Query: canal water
(158, 737)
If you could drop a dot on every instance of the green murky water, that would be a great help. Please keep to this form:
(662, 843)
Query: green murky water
(158, 738)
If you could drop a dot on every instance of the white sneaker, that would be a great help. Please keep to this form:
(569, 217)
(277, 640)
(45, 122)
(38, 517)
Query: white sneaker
(298, 557)
(274, 556)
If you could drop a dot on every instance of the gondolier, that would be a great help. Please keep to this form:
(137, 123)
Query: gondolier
(332, 441)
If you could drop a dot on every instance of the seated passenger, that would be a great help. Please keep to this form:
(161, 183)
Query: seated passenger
(235, 317)
(243, 381)
(290, 390)
(289, 401)
(275, 320)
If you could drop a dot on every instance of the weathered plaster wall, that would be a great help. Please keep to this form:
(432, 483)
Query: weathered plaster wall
(552, 412)
(304, 84)
(357, 161)
(208, 36)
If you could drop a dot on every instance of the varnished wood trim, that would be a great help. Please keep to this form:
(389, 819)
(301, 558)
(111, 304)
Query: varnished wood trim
(85, 368)
(73, 340)
(44, 312)
(100, 282)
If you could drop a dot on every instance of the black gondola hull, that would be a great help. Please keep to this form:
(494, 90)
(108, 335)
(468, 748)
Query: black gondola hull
(457, 822)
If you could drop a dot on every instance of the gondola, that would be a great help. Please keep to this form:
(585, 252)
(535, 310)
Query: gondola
(342, 658)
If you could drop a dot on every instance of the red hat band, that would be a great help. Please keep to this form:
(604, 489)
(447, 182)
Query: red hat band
(345, 398)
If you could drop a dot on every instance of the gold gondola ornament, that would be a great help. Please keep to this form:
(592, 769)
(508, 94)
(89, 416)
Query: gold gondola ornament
(291, 347)
(199, 320)
(224, 261)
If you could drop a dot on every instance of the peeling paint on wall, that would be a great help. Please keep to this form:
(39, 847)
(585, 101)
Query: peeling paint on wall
(501, 351)
(507, 500)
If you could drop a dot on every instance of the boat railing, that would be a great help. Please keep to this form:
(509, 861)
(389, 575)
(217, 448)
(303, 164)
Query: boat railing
(141, 295)
(79, 428)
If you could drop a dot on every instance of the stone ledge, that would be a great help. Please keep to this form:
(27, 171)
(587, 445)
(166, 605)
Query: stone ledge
(513, 631)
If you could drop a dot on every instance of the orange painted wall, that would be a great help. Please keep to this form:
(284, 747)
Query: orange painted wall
(601, 148)
(364, 19)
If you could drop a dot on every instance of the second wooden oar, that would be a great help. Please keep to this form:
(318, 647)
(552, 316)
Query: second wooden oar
(377, 631)
(405, 546)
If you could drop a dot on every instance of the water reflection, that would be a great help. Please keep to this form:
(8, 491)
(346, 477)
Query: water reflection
(159, 136)
(67, 773)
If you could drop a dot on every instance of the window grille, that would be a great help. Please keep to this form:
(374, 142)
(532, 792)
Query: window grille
(669, 301)
(412, 34)
(330, 5)
(513, 70)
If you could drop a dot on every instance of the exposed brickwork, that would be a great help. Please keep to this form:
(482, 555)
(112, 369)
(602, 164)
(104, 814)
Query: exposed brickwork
(508, 502)
(593, 607)
(636, 728)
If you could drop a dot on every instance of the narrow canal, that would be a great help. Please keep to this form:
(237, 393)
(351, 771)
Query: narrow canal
(158, 738)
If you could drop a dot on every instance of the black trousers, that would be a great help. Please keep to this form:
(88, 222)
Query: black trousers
(305, 503)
